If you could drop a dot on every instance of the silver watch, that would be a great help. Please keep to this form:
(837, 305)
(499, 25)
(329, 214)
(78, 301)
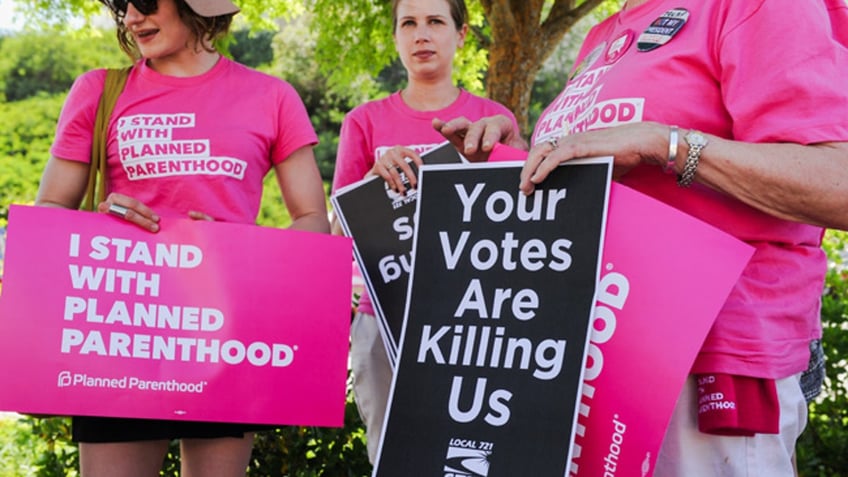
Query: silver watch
(697, 142)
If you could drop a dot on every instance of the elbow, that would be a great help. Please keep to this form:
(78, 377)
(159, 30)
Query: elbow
(312, 222)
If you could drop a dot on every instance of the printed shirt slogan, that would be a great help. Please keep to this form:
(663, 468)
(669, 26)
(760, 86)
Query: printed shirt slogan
(577, 108)
(147, 149)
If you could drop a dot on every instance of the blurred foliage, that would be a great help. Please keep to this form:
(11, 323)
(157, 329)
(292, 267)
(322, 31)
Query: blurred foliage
(57, 14)
(33, 63)
(252, 48)
(823, 447)
(35, 447)
(41, 447)
(313, 451)
(551, 79)
(354, 39)
(294, 52)
(26, 132)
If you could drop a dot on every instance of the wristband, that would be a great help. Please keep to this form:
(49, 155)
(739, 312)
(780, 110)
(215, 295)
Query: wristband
(672, 150)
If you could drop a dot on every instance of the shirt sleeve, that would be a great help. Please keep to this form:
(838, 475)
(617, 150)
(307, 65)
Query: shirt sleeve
(295, 130)
(74, 130)
(353, 159)
(779, 65)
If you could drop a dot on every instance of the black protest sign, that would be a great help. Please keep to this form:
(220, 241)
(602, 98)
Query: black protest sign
(380, 222)
(497, 322)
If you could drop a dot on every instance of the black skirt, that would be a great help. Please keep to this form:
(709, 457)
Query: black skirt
(110, 429)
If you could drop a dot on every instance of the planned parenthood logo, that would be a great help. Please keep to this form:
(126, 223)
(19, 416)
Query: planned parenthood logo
(467, 458)
(68, 379)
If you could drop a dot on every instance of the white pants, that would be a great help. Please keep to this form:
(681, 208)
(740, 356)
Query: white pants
(687, 452)
(372, 377)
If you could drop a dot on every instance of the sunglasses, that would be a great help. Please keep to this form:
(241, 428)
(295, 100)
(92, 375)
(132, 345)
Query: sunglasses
(145, 7)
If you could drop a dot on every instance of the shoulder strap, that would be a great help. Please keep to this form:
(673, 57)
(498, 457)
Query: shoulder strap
(95, 191)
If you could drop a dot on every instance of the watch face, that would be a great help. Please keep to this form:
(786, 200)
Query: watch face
(694, 138)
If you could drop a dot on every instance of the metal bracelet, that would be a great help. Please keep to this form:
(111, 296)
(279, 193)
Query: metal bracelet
(672, 149)
(689, 167)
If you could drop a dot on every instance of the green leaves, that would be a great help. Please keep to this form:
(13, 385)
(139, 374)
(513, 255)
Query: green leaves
(33, 63)
(823, 447)
(27, 131)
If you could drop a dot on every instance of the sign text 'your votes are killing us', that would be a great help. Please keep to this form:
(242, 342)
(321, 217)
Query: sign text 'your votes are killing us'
(497, 321)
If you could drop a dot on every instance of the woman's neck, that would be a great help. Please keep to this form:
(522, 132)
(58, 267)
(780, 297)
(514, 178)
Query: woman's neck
(430, 96)
(189, 63)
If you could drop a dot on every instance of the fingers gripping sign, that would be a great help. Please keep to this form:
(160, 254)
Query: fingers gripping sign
(538, 166)
(455, 131)
(394, 167)
(131, 210)
(477, 139)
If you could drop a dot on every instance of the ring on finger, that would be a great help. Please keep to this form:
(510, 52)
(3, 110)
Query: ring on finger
(554, 142)
(118, 210)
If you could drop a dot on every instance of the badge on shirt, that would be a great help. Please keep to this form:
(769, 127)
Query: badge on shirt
(662, 29)
(619, 46)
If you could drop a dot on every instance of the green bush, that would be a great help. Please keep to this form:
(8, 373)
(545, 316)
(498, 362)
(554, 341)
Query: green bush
(33, 63)
(823, 448)
(313, 451)
(31, 446)
(27, 129)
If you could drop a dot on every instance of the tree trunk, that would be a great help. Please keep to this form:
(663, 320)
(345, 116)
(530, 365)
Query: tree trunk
(521, 42)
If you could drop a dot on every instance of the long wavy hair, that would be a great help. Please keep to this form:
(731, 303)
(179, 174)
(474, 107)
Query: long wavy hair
(206, 30)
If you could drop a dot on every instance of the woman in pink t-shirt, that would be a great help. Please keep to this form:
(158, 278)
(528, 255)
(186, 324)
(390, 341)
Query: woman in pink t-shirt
(182, 91)
(731, 111)
(377, 137)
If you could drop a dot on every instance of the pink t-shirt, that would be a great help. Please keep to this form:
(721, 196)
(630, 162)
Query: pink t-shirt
(372, 128)
(200, 143)
(749, 70)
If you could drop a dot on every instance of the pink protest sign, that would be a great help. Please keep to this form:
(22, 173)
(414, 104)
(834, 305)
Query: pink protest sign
(201, 321)
(654, 307)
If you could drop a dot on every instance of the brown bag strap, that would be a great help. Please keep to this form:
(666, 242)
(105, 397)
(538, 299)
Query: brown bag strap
(95, 191)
